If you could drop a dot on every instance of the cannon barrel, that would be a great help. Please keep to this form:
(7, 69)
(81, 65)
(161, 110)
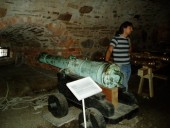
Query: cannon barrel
(106, 75)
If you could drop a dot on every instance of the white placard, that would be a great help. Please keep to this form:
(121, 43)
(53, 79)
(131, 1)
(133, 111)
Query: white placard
(83, 88)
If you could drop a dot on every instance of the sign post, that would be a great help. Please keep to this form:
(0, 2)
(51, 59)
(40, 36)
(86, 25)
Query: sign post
(84, 88)
(84, 113)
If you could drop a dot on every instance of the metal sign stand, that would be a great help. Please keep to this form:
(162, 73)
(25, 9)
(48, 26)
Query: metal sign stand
(84, 88)
(84, 113)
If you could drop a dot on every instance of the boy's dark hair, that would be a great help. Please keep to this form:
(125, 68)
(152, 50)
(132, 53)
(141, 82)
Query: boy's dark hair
(122, 26)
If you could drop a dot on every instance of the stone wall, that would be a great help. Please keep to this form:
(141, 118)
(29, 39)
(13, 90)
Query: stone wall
(78, 27)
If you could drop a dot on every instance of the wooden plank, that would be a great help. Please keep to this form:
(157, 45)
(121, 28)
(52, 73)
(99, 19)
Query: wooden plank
(111, 95)
(163, 77)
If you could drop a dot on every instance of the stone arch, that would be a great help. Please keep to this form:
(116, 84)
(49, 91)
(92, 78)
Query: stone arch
(35, 35)
(53, 30)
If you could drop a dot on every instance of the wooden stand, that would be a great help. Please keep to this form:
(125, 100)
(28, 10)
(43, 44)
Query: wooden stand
(146, 72)
(111, 95)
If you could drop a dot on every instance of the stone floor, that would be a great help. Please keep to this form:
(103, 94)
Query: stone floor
(26, 81)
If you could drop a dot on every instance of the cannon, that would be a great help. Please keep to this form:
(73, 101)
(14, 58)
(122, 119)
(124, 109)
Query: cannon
(99, 110)
(107, 75)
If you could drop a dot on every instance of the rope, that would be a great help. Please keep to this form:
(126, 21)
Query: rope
(23, 102)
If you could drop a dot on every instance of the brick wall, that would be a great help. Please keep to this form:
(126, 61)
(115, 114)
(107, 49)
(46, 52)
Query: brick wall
(80, 28)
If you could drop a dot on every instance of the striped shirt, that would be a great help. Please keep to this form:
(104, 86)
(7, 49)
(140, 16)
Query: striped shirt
(121, 47)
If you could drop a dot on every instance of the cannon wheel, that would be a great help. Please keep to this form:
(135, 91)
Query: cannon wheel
(94, 119)
(58, 105)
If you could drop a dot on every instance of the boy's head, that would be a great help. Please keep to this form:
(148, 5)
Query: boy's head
(126, 28)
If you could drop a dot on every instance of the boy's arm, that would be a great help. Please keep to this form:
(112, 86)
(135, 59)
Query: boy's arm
(109, 53)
